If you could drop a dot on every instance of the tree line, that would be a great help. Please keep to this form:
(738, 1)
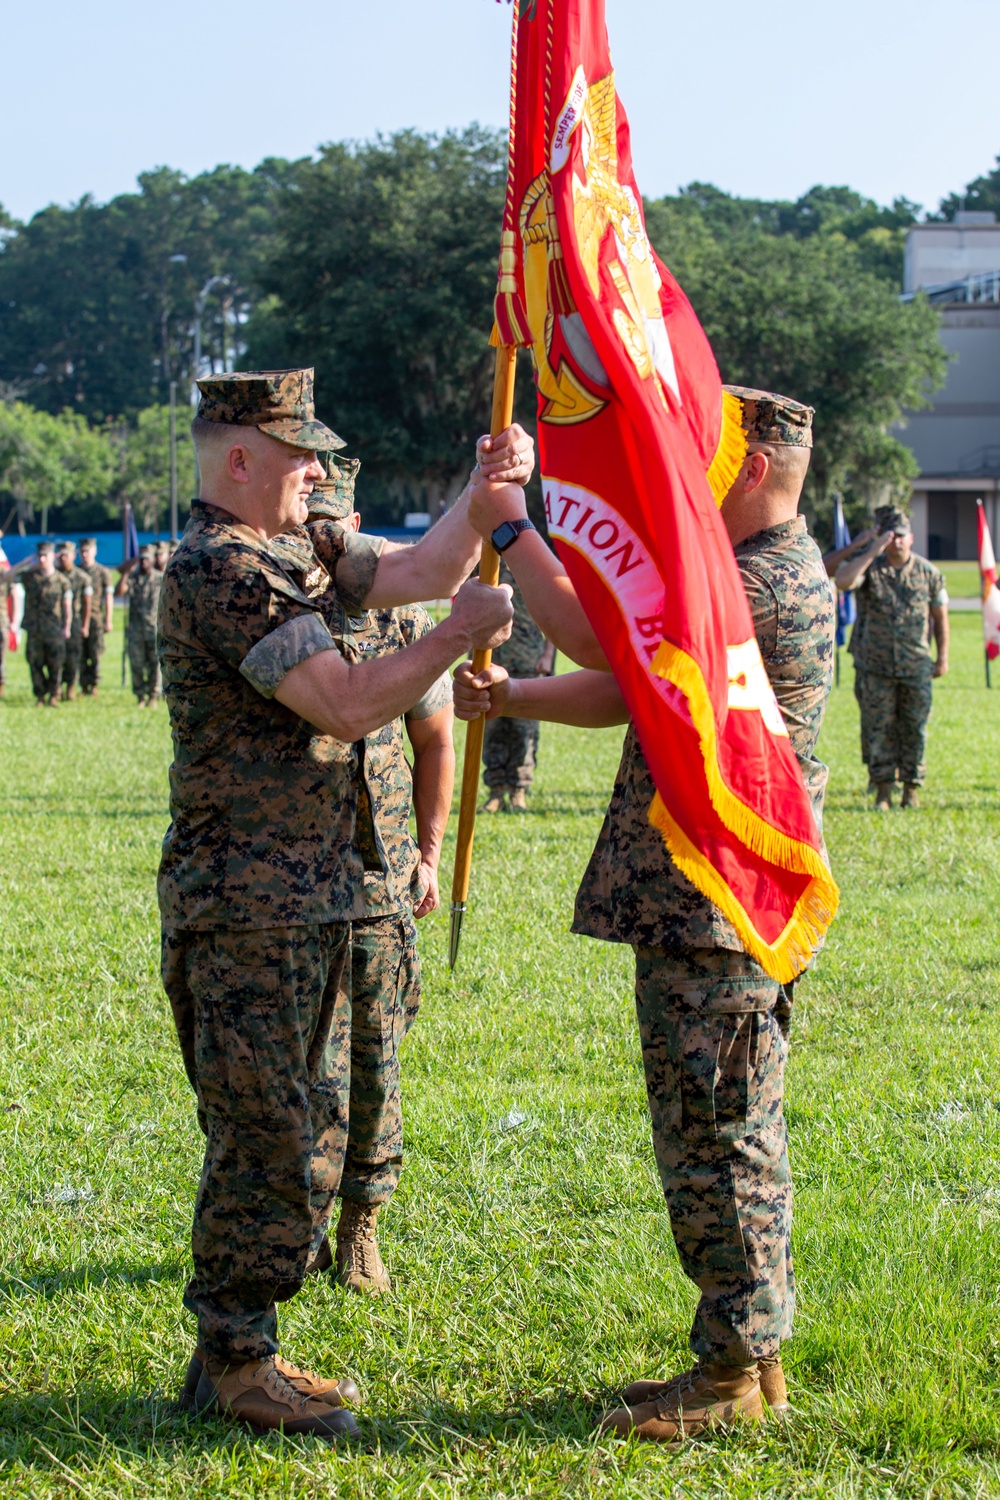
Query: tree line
(376, 263)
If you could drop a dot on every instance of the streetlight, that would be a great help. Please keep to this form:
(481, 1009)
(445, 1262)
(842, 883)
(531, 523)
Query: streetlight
(199, 309)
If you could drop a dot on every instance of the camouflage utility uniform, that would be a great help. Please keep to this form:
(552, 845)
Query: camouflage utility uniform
(44, 620)
(259, 882)
(93, 642)
(894, 607)
(385, 967)
(510, 746)
(710, 1018)
(82, 589)
(143, 590)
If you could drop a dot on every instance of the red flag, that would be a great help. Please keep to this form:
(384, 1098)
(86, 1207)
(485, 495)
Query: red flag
(638, 443)
(991, 594)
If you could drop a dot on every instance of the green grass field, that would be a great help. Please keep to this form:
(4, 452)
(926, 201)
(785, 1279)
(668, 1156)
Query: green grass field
(534, 1269)
(962, 579)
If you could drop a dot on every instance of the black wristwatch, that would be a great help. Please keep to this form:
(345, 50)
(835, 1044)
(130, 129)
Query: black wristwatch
(507, 534)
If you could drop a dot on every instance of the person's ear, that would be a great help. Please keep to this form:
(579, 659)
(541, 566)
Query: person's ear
(757, 465)
(238, 464)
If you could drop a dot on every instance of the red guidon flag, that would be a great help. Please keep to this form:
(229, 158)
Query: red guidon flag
(991, 594)
(638, 443)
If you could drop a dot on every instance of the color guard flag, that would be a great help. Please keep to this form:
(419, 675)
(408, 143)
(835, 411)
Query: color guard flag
(847, 609)
(991, 594)
(638, 444)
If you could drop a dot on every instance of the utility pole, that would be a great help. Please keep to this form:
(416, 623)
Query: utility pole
(173, 460)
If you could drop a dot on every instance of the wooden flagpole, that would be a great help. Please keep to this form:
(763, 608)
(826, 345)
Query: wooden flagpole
(489, 572)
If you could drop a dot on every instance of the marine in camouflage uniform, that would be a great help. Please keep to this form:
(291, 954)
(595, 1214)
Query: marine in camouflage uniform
(48, 602)
(385, 966)
(83, 597)
(142, 588)
(712, 1022)
(510, 746)
(94, 638)
(259, 882)
(896, 607)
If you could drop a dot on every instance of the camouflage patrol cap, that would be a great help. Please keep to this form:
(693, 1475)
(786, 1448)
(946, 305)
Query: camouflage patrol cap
(88, 541)
(770, 418)
(44, 548)
(334, 495)
(891, 518)
(147, 549)
(278, 402)
(65, 547)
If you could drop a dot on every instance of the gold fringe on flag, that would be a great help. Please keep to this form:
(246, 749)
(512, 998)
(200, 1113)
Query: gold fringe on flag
(731, 449)
(815, 909)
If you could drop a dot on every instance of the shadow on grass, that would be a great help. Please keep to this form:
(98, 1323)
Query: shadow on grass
(80, 1278)
(48, 1430)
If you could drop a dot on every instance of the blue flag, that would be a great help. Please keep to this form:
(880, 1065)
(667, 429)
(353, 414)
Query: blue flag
(131, 536)
(847, 610)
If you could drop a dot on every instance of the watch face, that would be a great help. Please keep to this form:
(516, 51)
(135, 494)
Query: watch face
(504, 535)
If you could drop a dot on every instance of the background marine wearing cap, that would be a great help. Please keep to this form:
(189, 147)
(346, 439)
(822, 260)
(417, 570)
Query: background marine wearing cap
(900, 598)
(48, 615)
(712, 1024)
(400, 885)
(101, 615)
(140, 583)
(261, 875)
(83, 597)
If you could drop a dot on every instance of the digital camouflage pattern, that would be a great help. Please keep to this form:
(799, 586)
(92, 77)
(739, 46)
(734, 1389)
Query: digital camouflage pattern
(264, 1024)
(794, 608)
(93, 642)
(333, 496)
(711, 1021)
(890, 644)
(385, 997)
(510, 746)
(44, 619)
(259, 881)
(632, 892)
(895, 712)
(770, 418)
(895, 604)
(278, 402)
(263, 807)
(143, 592)
(714, 1059)
(391, 854)
(82, 589)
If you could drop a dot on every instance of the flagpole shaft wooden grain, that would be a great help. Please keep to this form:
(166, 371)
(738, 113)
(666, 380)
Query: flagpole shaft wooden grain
(489, 572)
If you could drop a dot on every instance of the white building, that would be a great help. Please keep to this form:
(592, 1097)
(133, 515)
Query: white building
(957, 440)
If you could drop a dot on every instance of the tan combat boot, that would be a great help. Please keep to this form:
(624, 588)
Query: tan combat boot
(769, 1373)
(494, 802)
(708, 1396)
(519, 800)
(911, 795)
(342, 1392)
(883, 799)
(259, 1395)
(359, 1265)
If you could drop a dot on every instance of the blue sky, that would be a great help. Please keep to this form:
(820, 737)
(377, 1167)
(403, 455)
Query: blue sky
(886, 96)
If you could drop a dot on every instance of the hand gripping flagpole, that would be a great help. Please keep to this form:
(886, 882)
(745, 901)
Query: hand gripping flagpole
(489, 572)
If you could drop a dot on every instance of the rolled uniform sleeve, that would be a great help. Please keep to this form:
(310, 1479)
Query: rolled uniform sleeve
(350, 559)
(267, 663)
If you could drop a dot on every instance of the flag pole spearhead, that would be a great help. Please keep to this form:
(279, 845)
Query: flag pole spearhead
(455, 935)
